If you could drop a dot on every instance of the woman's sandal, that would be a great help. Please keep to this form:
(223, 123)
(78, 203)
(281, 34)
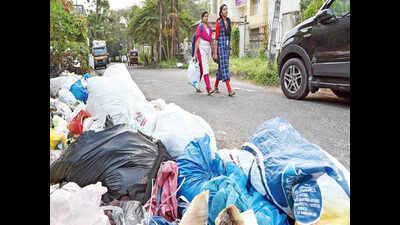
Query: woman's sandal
(231, 93)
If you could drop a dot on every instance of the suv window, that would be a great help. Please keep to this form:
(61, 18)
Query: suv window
(340, 7)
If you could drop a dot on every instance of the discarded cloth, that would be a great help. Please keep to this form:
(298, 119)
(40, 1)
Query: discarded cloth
(163, 202)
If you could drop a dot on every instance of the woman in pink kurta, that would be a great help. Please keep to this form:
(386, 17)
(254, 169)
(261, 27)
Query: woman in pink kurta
(203, 50)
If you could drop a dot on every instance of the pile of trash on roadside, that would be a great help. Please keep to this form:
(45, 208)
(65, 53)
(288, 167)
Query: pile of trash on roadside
(119, 159)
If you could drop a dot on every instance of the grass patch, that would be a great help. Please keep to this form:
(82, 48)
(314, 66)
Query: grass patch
(251, 68)
(172, 63)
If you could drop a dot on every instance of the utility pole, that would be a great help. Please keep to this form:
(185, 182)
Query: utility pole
(275, 24)
(244, 35)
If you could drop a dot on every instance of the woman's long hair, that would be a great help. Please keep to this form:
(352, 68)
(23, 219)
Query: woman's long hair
(227, 30)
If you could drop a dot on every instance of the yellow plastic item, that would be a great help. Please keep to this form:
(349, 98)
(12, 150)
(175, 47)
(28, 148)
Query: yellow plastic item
(55, 138)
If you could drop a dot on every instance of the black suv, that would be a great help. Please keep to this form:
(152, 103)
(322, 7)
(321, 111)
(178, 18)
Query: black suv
(316, 53)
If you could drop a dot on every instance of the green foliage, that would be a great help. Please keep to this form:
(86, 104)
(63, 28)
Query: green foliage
(235, 40)
(338, 8)
(143, 26)
(67, 31)
(347, 7)
(251, 68)
(309, 8)
(168, 64)
(261, 52)
(144, 57)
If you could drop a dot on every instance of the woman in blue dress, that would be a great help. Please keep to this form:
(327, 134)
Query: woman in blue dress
(223, 49)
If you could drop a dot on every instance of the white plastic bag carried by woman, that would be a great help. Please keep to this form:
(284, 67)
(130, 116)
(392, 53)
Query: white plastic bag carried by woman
(194, 74)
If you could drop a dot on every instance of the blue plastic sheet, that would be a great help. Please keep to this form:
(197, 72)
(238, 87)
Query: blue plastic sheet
(79, 91)
(286, 169)
(226, 182)
(196, 167)
(233, 188)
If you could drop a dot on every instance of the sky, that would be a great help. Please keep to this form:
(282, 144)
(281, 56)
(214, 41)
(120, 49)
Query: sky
(114, 4)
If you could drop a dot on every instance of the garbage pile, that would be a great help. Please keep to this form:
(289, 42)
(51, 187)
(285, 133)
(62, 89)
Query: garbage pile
(116, 158)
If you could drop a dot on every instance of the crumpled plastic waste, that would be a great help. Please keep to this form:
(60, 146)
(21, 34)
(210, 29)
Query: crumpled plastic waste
(197, 211)
(72, 204)
(56, 138)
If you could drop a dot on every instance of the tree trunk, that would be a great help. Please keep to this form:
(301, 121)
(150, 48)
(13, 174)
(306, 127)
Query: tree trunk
(173, 29)
(275, 24)
(160, 38)
(152, 52)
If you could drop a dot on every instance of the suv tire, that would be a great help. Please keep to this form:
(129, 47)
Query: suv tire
(341, 94)
(294, 79)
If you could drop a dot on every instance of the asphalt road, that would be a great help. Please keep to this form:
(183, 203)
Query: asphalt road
(321, 118)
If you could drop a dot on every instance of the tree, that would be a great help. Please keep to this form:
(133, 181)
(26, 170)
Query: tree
(67, 31)
(309, 8)
(235, 40)
(275, 24)
(166, 19)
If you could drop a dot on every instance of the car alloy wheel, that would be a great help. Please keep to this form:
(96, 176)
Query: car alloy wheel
(292, 79)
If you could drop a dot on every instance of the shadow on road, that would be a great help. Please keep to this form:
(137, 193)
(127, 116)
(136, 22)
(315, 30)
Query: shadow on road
(328, 99)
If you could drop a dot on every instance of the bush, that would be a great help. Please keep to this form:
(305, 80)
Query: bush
(235, 40)
(251, 68)
(172, 64)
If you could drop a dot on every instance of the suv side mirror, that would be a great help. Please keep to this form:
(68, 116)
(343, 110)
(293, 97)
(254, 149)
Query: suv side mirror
(325, 16)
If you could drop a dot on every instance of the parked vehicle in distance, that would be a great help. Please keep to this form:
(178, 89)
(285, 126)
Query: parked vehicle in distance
(316, 53)
(133, 57)
(99, 54)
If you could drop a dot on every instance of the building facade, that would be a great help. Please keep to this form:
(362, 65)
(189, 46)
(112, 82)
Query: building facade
(252, 15)
(255, 19)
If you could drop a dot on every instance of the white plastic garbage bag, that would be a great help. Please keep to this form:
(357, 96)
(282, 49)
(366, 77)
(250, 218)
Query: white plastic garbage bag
(159, 104)
(176, 127)
(71, 204)
(194, 74)
(118, 69)
(62, 109)
(77, 109)
(60, 82)
(146, 117)
(67, 97)
(92, 123)
(116, 95)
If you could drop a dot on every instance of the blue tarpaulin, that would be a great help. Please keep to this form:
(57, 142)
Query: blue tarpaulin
(287, 168)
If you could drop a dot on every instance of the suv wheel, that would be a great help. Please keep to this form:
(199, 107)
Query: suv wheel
(294, 79)
(341, 94)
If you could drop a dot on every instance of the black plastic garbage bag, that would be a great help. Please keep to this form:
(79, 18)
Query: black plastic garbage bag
(124, 161)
